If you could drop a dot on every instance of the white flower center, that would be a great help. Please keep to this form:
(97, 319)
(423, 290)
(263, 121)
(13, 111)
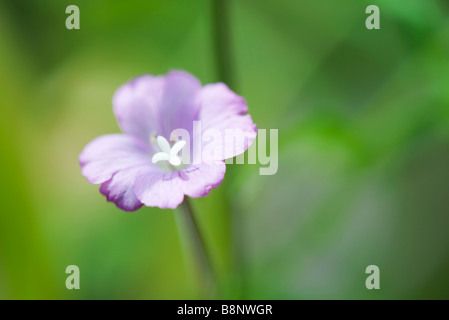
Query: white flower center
(168, 153)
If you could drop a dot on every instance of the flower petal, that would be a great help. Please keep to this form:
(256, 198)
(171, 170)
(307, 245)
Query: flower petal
(108, 154)
(120, 189)
(225, 111)
(180, 105)
(167, 190)
(157, 104)
(159, 189)
(199, 180)
(137, 105)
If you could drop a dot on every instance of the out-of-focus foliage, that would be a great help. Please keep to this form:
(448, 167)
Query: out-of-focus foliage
(363, 119)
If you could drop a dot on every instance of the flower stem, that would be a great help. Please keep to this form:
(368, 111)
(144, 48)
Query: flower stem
(225, 73)
(220, 19)
(204, 263)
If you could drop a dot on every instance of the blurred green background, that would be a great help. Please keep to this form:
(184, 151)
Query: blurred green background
(363, 120)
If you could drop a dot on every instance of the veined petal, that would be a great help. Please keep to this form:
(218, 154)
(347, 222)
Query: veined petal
(167, 190)
(108, 154)
(159, 189)
(225, 111)
(199, 180)
(137, 105)
(120, 189)
(180, 105)
(157, 104)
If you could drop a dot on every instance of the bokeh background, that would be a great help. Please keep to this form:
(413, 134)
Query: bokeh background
(363, 120)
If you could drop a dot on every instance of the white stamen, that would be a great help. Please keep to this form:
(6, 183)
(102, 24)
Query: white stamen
(175, 161)
(163, 144)
(160, 156)
(167, 153)
(177, 147)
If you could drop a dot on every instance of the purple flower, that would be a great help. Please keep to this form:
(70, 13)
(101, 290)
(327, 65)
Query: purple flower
(143, 166)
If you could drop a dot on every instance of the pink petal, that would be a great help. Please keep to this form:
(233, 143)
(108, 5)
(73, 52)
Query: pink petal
(137, 105)
(157, 104)
(180, 104)
(108, 154)
(167, 190)
(222, 110)
(120, 189)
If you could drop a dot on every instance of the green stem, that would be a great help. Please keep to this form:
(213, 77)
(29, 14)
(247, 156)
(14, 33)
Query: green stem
(204, 263)
(222, 48)
(223, 60)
